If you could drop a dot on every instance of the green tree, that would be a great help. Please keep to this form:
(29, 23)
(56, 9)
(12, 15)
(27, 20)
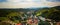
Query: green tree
(52, 13)
(14, 16)
(4, 23)
(3, 18)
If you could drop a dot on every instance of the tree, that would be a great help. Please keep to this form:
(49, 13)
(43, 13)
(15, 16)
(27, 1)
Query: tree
(52, 13)
(4, 23)
(14, 16)
(3, 18)
(41, 12)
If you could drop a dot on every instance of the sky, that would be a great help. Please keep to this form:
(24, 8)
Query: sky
(28, 3)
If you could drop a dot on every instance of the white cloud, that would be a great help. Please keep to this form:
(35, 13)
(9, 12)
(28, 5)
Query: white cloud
(29, 3)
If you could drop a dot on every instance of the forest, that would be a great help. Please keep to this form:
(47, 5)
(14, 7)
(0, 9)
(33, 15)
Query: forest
(10, 16)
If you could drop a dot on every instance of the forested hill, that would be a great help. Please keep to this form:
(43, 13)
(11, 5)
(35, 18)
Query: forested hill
(4, 12)
(52, 13)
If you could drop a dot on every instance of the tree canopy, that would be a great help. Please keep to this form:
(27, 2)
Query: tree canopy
(52, 13)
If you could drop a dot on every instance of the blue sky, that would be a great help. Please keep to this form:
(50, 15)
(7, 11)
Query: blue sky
(35, 0)
(53, 0)
(3, 0)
